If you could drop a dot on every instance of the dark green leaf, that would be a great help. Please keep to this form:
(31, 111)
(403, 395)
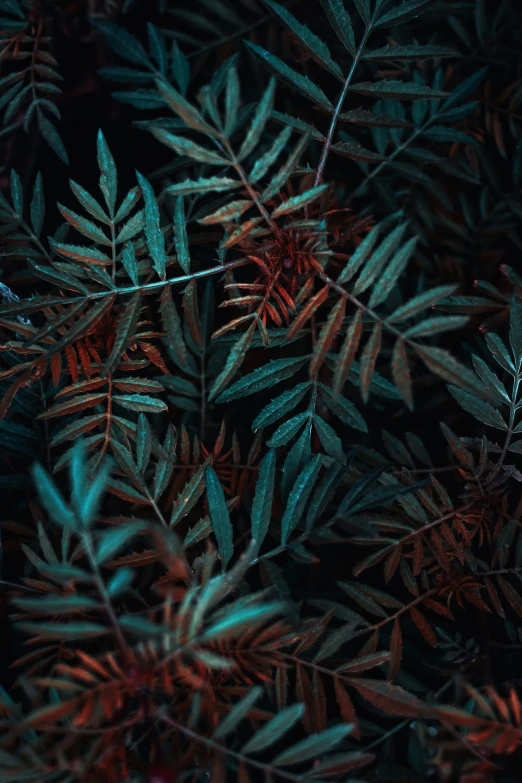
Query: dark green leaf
(155, 238)
(395, 89)
(299, 496)
(315, 745)
(219, 515)
(339, 18)
(317, 48)
(263, 498)
(300, 83)
(272, 731)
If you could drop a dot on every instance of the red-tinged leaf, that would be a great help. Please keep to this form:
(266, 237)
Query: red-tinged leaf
(441, 362)
(369, 359)
(125, 332)
(401, 372)
(370, 645)
(84, 324)
(77, 428)
(394, 663)
(307, 311)
(86, 255)
(346, 707)
(75, 404)
(319, 702)
(188, 113)
(457, 717)
(327, 335)
(242, 231)
(364, 662)
(342, 762)
(391, 699)
(423, 626)
(303, 691)
(11, 392)
(511, 595)
(437, 607)
(126, 492)
(172, 325)
(50, 715)
(418, 555)
(493, 597)
(85, 226)
(138, 385)
(190, 306)
(391, 563)
(226, 214)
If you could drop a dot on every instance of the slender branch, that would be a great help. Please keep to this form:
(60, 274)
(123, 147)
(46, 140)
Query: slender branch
(266, 768)
(338, 108)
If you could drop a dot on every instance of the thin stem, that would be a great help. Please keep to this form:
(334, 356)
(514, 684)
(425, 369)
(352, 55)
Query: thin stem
(248, 187)
(338, 108)
(267, 768)
(100, 584)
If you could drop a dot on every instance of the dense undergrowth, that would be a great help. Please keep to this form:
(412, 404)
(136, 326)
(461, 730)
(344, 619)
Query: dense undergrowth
(260, 367)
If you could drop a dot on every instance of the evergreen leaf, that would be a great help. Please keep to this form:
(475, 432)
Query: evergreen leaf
(219, 515)
(300, 83)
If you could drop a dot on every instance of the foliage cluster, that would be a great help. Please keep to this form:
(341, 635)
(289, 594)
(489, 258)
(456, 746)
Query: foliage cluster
(260, 403)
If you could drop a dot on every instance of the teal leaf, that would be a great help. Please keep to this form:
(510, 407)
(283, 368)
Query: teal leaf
(401, 13)
(272, 731)
(235, 621)
(515, 329)
(53, 501)
(315, 745)
(120, 582)
(395, 89)
(129, 262)
(184, 146)
(286, 431)
(237, 713)
(219, 515)
(411, 52)
(341, 24)
(51, 136)
(203, 185)
(172, 325)
(263, 498)
(180, 235)
(300, 83)
(108, 173)
(281, 405)
(298, 497)
(480, 409)
(124, 44)
(111, 541)
(259, 121)
(298, 202)
(188, 113)
(153, 233)
(317, 49)
(464, 90)
(234, 361)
